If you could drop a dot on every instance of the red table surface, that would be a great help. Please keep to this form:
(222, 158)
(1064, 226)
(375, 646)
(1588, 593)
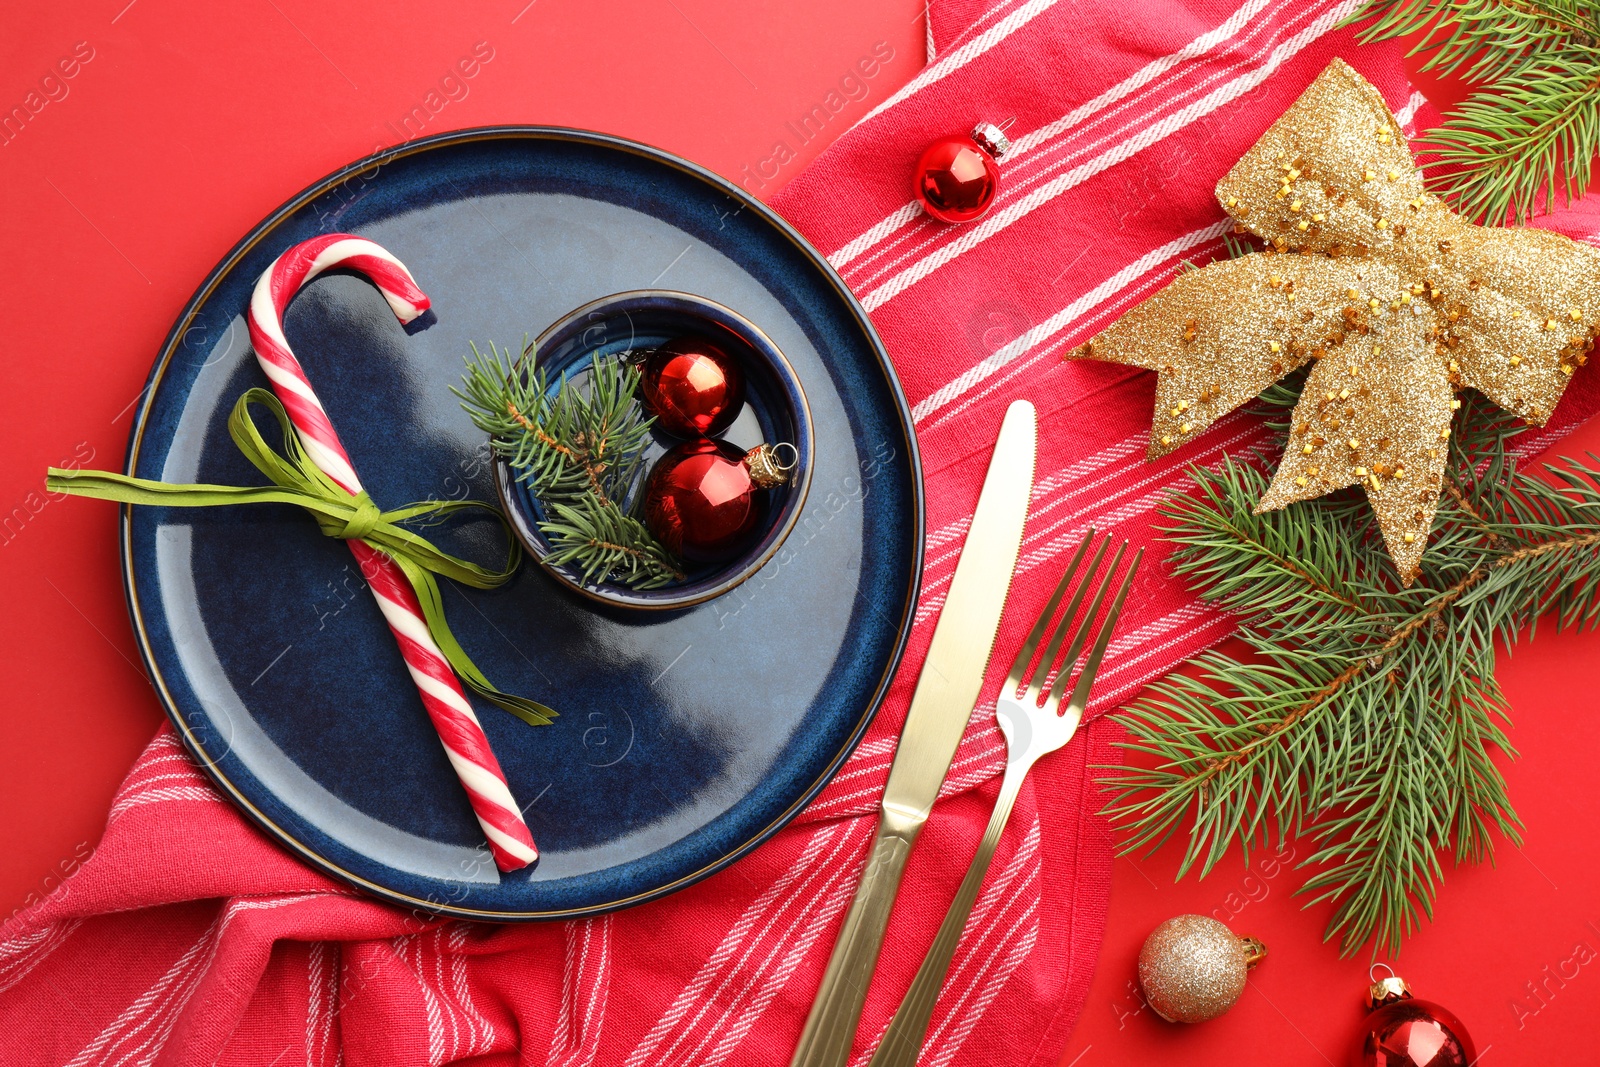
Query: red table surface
(183, 125)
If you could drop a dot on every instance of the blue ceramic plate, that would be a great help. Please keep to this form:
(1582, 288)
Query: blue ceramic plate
(685, 738)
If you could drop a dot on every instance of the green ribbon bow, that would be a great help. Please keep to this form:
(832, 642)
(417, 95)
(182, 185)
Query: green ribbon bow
(296, 480)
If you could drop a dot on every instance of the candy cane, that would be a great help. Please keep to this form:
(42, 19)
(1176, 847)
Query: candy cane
(459, 730)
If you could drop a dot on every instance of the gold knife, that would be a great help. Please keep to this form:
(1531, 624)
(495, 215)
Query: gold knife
(947, 690)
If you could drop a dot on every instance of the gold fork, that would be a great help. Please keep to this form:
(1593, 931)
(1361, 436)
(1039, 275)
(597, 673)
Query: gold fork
(1033, 726)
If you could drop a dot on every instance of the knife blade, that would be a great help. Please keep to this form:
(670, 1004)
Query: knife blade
(947, 689)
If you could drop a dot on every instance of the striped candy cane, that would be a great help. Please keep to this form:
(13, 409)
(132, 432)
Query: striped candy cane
(459, 730)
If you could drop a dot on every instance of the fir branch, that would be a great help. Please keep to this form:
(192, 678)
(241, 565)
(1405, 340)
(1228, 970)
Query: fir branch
(1367, 716)
(1533, 129)
(581, 449)
(1232, 246)
(607, 544)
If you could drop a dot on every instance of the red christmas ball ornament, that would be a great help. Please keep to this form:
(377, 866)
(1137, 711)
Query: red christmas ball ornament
(704, 498)
(957, 177)
(1403, 1031)
(692, 386)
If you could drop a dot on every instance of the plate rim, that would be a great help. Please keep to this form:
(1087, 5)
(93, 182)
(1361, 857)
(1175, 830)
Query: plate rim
(377, 160)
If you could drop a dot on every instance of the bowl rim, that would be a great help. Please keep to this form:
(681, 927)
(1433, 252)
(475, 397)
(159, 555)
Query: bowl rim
(672, 598)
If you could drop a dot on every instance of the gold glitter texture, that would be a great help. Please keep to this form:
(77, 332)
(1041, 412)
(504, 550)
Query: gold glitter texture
(1399, 301)
(1192, 968)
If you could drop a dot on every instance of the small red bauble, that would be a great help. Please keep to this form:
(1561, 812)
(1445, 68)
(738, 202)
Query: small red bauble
(1403, 1031)
(957, 177)
(703, 498)
(692, 387)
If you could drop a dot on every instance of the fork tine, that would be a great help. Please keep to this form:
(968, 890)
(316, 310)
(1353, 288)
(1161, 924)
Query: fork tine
(1080, 692)
(1082, 634)
(1014, 679)
(1042, 672)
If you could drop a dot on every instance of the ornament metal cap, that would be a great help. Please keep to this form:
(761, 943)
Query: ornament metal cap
(991, 138)
(766, 469)
(1385, 990)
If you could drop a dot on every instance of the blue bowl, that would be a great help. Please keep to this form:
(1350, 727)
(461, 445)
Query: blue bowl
(774, 411)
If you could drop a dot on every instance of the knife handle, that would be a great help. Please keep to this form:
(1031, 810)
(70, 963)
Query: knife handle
(902, 1042)
(831, 1027)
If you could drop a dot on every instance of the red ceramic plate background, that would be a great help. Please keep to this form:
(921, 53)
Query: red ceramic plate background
(181, 125)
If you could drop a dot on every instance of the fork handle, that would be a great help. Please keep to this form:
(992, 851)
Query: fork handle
(907, 1030)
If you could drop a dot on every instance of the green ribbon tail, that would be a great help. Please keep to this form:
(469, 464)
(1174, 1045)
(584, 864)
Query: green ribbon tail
(428, 595)
(123, 489)
(298, 481)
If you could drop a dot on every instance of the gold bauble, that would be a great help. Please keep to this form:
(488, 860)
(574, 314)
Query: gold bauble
(1192, 968)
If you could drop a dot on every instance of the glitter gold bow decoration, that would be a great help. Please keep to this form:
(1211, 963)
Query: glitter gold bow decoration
(1396, 301)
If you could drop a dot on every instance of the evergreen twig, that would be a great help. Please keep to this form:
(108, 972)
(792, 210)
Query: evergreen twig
(1533, 127)
(581, 449)
(1367, 715)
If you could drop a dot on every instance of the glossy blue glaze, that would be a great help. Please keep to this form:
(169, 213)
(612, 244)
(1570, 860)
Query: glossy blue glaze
(774, 411)
(685, 737)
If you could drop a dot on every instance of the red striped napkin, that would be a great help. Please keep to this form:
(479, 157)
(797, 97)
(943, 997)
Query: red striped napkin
(187, 938)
